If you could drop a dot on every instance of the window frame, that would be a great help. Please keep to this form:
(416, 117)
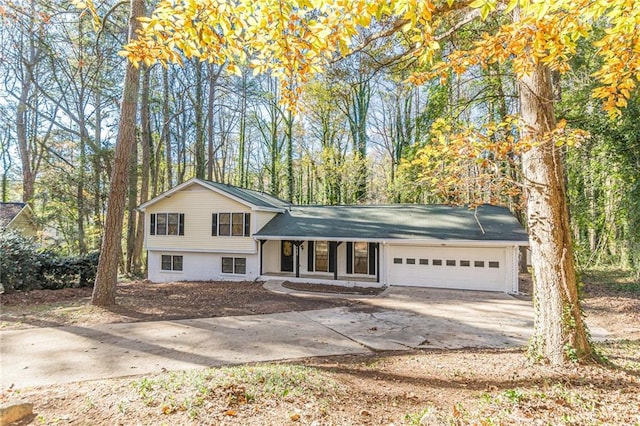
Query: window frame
(324, 254)
(175, 262)
(237, 265)
(231, 224)
(366, 257)
(166, 224)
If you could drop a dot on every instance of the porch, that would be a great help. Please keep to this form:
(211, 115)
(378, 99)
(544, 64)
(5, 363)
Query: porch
(347, 263)
(341, 280)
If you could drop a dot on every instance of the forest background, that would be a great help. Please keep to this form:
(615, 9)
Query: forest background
(360, 133)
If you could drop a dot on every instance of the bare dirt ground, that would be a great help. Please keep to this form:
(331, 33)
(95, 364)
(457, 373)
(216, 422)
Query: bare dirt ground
(471, 386)
(145, 301)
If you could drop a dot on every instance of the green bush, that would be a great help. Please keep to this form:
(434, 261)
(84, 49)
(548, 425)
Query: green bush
(23, 267)
(19, 263)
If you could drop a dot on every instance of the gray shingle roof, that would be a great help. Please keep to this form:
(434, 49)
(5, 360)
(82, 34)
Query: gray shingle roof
(257, 198)
(8, 211)
(403, 221)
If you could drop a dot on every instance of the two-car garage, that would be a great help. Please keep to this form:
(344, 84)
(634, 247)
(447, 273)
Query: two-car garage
(469, 268)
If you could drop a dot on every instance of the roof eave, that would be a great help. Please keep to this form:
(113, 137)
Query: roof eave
(405, 241)
(203, 184)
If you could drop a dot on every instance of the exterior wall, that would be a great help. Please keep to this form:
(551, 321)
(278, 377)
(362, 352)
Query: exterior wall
(261, 219)
(23, 223)
(198, 204)
(199, 266)
(502, 279)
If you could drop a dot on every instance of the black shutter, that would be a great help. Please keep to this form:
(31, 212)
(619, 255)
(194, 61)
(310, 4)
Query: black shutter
(372, 258)
(332, 256)
(181, 224)
(310, 256)
(152, 231)
(247, 224)
(214, 224)
(349, 257)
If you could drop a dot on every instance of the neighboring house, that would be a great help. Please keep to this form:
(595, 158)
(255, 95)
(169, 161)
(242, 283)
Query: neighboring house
(18, 217)
(202, 230)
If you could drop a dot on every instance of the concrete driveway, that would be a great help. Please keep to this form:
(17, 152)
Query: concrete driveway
(402, 318)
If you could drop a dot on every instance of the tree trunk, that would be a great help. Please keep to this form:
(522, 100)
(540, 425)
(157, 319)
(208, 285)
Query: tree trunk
(199, 118)
(242, 179)
(166, 136)
(132, 199)
(213, 83)
(28, 177)
(146, 144)
(290, 178)
(104, 290)
(559, 330)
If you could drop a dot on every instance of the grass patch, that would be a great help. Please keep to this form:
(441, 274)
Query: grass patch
(233, 387)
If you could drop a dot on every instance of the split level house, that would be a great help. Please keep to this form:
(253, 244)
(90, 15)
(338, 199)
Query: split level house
(202, 230)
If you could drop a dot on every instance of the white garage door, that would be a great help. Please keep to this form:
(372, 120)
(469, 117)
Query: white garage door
(477, 268)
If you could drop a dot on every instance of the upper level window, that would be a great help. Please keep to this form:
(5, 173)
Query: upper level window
(167, 224)
(231, 224)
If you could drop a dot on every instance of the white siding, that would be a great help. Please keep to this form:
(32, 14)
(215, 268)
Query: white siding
(198, 204)
(200, 267)
(261, 219)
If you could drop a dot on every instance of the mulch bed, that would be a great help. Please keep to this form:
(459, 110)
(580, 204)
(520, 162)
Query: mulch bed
(335, 289)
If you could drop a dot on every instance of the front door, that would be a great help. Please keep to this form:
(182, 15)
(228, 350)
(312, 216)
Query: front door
(286, 256)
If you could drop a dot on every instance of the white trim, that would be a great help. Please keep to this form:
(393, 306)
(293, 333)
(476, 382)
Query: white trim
(515, 270)
(189, 250)
(402, 241)
(26, 209)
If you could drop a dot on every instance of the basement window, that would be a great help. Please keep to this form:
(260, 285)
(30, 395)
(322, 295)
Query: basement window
(171, 263)
(437, 262)
(234, 265)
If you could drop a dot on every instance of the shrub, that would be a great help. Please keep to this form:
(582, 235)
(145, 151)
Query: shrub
(23, 267)
(19, 262)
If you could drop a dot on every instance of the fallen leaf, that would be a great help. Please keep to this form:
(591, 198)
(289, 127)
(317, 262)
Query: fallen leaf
(295, 417)
(231, 413)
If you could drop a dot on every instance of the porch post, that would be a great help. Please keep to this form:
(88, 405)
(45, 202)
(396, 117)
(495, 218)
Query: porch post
(298, 244)
(262, 242)
(377, 262)
(334, 260)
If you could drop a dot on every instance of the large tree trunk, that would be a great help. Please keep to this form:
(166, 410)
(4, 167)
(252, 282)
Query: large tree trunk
(559, 330)
(146, 144)
(104, 290)
(132, 201)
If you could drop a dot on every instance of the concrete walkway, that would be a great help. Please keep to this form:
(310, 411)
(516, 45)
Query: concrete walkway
(401, 318)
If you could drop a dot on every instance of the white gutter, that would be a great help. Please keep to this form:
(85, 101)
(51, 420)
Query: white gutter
(402, 241)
